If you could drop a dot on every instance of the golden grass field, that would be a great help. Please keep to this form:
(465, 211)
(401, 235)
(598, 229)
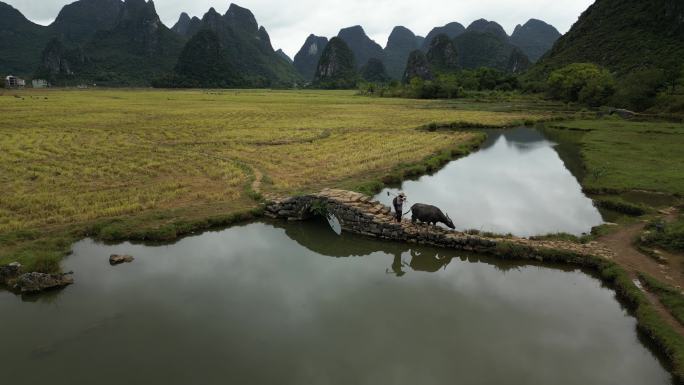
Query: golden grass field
(73, 156)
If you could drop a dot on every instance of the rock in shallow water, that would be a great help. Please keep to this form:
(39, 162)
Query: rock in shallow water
(9, 272)
(115, 259)
(37, 282)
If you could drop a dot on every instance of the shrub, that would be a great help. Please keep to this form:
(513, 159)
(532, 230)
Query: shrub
(669, 103)
(446, 85)
(666, 235)
(639, 89)
(583, 83)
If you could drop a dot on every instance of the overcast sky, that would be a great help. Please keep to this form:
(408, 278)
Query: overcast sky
(290, 22)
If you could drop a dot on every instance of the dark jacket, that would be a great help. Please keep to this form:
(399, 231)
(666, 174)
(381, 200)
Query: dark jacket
(398, 204)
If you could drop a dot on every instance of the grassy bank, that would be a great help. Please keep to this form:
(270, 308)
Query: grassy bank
(624, 155)
(153, 164)
(669, 296)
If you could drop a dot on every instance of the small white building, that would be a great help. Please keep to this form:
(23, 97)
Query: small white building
(14, 82)
(40, 83)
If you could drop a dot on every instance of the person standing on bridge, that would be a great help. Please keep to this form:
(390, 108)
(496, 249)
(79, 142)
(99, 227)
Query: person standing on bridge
(398, 204)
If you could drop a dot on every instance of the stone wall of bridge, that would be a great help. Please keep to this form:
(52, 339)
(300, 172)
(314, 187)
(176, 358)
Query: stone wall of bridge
(359, 214)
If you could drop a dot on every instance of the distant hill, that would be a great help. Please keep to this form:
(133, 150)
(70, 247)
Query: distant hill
(116, 43)
(442, 55)
(452, 30)
(337, 67)
(306, 60)
(59, 62)
(284, 56)
(486, 44)
(374, 71)
(21, 42)
(535, 38)
(203, 63)
(400, 44)
(124, 43)
(187, 26)
(137, 49)
(188, 30)
(518, 62)
(248, 48)
(78, 22)
(417, 66)
(622, 35)
(361, 45)
(486, 26)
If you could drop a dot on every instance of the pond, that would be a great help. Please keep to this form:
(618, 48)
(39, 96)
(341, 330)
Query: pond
(516, 183)
(292, 303)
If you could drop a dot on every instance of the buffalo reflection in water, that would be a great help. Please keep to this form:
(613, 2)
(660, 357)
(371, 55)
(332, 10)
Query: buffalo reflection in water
(317, 236)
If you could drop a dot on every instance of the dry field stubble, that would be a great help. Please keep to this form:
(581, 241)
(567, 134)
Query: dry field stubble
(74, 156)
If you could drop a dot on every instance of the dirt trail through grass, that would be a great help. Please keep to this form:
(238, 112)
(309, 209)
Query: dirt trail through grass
(664, 313)
(621, 242)
(627, 255)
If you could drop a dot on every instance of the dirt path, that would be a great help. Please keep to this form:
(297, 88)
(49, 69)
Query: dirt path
(257, 184)
(628, 256)
(664, 313)
(621, 243)
(258, 177)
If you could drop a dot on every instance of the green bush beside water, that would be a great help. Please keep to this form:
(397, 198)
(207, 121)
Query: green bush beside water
(666, 235)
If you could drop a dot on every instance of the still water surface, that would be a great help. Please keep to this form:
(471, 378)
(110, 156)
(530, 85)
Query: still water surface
(517, 183)
(295, 304)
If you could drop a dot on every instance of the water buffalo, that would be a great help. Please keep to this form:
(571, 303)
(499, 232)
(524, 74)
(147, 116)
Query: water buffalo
(430, 215)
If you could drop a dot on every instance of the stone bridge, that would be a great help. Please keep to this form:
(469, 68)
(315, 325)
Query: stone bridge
(359, 214)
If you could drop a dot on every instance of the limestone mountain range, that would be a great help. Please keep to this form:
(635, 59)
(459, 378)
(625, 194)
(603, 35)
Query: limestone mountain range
(482, 43)
(124, 43)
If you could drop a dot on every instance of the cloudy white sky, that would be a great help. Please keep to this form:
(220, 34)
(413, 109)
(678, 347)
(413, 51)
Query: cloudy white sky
(290, 22)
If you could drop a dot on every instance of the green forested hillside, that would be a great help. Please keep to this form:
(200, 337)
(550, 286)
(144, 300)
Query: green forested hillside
(482, 49)
(136, 51)
(535, 38)
(248, 48)
(337, 66)
(79, 21)
(306, 60)
(124, 43)
(363, 47)
(21, 42)
(452, 30)
(622, 35)
(400, 44)
(442, 54)
(374, 71)
(204, 64)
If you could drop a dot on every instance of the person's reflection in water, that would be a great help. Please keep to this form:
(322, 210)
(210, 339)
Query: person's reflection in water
(397, 265)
